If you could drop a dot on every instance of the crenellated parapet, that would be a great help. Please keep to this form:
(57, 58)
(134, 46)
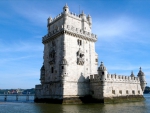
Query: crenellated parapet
(71, 30)
(72, 15)
(70, 23)
(115, 78)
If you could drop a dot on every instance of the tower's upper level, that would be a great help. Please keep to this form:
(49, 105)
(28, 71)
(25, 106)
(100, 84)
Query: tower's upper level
(71, 22)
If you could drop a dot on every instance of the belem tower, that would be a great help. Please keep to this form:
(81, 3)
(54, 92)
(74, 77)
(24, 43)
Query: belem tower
(70, 72)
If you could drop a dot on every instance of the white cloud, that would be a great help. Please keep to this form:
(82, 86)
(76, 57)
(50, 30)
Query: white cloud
(114, 27)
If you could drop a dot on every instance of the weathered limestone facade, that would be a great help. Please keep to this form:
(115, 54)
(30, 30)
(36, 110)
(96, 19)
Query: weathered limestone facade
(70, 59)
(108, 86)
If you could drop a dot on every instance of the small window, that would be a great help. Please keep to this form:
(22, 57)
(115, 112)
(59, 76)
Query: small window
(80, 55)
(139, 92)
(120, 91)
(52, 70)
(133, 92)
(79, 42)
(102, 73)
(65, 9)
(62, 67)
(127, 92)
(113, 91)
(96, 60)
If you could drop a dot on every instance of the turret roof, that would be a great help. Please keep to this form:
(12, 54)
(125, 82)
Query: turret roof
(102, 67)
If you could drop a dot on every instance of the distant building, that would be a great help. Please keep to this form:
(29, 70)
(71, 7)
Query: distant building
(70, 72)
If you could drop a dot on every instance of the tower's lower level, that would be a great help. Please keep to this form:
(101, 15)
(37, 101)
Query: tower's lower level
(98, 88)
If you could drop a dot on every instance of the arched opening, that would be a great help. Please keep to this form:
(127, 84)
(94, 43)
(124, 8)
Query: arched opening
(102, 73)
(52, 70)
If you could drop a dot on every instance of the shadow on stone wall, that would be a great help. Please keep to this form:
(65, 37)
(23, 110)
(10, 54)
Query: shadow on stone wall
(83, 86)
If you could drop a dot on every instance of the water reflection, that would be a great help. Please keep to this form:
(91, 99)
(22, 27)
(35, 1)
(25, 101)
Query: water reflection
(135, 107)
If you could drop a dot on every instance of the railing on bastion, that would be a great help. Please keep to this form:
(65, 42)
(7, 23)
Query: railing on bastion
(115, 78)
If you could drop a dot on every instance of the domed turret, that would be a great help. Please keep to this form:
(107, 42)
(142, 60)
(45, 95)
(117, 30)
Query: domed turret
(89, 20)
(66, 9)
(102, 72)
(141, 76)
(49, 20)
(83, 16)
(102, 67)
(132, 75)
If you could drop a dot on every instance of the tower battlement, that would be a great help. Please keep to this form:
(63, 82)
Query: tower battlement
(70, 30)
(115, 78)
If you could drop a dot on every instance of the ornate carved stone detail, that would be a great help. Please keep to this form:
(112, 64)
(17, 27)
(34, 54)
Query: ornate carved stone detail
(80, 57)
(70, 30)
(52, 57)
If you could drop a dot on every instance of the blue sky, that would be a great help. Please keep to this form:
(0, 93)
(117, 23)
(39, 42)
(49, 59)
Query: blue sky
(122, 27)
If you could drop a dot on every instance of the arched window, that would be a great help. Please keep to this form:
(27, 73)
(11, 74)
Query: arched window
(52, 70)
(102, 73)
(80, 42)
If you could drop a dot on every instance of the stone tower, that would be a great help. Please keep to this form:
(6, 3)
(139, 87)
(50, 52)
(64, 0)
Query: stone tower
(69, 56)
(141, 76)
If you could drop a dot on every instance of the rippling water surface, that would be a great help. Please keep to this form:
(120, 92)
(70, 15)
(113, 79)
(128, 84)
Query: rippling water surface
(23, 106)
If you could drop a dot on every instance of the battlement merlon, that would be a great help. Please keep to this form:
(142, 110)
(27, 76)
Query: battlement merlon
(114, 78)
(66, 17)
(67, 22)
(70, 30)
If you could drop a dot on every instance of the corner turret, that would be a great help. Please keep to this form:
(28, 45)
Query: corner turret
(132, 75)
(49, 20)
(83, 16)
(89, 20)
(66, 9)
(102, 72)
(141, 76)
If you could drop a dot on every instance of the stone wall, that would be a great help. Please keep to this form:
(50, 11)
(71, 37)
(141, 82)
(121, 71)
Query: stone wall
(114, 86)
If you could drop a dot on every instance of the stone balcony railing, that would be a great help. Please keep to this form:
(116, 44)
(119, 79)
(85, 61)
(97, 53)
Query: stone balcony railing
(71, 29)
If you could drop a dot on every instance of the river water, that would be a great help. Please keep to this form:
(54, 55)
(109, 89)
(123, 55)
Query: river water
(24, 106)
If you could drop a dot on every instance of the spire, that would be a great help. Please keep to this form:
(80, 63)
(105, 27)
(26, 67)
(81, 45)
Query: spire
(132, 75)
(140, 72)
(66, 8)
(140, 69)
(102, 67)
(66, 5)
